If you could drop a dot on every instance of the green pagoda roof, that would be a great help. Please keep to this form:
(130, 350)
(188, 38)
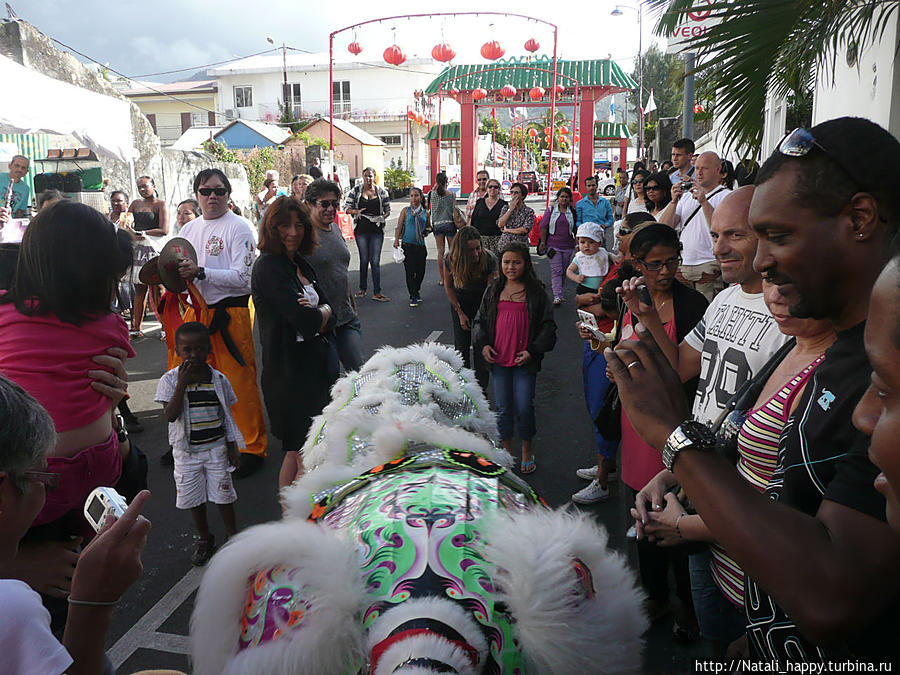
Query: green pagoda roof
(449, 132)
(611, 130)
(589, 73)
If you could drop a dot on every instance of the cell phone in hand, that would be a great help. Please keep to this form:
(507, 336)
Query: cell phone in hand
(102, 502)
(589, 321)
(644, 295)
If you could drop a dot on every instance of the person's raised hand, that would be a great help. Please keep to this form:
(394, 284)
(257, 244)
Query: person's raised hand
(188, 269)
(650, 389)
(652, 495)
(628, 291)
(111, 563)
(112, 383)
(677, 192)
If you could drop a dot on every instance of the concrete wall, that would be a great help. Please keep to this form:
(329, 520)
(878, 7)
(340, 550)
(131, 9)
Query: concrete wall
(24, 44)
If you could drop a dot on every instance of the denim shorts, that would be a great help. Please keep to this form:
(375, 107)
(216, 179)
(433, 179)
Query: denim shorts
(446, 229)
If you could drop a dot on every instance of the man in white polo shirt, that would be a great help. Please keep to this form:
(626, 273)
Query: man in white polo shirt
(690, 213)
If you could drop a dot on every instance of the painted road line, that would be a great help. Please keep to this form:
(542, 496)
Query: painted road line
(434, 335)
(143, 633)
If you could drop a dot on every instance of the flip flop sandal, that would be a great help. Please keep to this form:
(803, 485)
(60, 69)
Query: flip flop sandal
(528, 467)
(359, 294)
(381, 298)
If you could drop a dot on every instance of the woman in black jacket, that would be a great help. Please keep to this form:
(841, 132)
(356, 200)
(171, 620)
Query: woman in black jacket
(299, 359)
(513, 330)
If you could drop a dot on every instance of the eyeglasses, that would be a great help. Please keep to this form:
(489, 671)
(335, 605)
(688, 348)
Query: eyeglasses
(325, 203)
(624, 231)
(50, 481)
(651, 187)
(637, 182)
(800, 141)
(493, 187)
(671, 263)
(219, 191)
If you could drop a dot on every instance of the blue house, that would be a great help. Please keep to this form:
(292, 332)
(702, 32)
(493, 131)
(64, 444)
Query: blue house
(249, 134)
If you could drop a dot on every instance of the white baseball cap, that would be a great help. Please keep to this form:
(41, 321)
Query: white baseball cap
(591, 231)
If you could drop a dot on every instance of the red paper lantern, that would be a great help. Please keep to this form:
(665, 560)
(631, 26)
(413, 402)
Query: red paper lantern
(576, 138)
(454, 93)
(562, 140)
(492, 50)
(564, 130)
(420, 118)
(698, 108)
(410, 115)
(537, 93)
(560, 90)
(508, 91)
(478, 94)
(548, 131)
(394, 55)
(532, 132)
(442, 52)
(354, 47)
(532, 45)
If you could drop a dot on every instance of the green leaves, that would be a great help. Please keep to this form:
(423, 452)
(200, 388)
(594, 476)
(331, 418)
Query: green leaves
(771, 43)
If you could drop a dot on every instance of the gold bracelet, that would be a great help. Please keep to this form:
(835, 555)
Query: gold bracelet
(93, 603)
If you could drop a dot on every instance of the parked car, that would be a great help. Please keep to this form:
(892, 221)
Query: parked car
(529, 179)
(607, 187)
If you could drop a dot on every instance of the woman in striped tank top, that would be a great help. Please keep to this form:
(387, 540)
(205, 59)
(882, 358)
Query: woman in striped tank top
(757, 440)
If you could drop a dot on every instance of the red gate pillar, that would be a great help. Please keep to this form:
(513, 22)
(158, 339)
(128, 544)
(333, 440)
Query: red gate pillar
(468, 143)
(434, 158)
(586, 137)
(623, 153)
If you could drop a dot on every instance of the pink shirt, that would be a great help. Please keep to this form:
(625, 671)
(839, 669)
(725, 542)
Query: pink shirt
(49, 359)
(511, 333)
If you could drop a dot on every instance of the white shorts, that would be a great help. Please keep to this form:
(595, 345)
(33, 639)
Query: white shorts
(202, 477)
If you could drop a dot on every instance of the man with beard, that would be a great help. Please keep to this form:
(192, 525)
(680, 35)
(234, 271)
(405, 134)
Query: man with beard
(820, 560)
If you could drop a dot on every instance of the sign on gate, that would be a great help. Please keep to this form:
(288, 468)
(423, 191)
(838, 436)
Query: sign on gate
(694, 26)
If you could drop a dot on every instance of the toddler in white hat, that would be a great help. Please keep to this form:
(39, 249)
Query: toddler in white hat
(591, 262)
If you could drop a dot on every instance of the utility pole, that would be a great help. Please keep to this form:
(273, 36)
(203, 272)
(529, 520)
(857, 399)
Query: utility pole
(285, 92)
(687, 123)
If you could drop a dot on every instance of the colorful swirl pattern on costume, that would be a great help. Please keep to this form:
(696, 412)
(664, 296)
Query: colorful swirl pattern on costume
(274, 603)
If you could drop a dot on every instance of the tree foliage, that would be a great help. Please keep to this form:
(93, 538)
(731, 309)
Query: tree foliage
(763, 44)
(664, 74)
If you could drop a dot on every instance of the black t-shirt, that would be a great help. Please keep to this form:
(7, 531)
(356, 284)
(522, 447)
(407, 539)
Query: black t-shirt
(485, 220)
(822, 455)
(369, 207)
(469, 297)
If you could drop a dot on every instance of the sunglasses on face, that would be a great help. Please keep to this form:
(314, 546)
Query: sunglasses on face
(651, 187)
(638, 182)
(218, 191)
(493, 187)
(325, 203)
(624, 231)
(671, 263)
(50, 481)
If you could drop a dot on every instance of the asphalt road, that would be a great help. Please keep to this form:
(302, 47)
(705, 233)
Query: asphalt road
(151, 624)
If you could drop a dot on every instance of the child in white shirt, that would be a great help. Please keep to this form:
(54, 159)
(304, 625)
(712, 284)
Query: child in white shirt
(591, 263)
(203, 435)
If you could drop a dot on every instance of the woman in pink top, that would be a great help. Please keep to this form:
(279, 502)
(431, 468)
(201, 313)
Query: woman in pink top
(54, 320)
(513, 330)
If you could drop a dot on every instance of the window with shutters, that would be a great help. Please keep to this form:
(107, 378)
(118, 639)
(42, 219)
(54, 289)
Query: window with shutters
(341, 98)
(392, 140)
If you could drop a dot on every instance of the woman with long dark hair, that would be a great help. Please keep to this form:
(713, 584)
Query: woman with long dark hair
(558, 239)
(636, 200)
(442, 207)
(151, 223)
(486, 214)
(514, 328)
(299, 359)
(370, 206)
(412, 228)
(468, 269)
(657, 191)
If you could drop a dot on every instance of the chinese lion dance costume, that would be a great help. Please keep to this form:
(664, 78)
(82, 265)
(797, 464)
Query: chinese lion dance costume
(410, 547)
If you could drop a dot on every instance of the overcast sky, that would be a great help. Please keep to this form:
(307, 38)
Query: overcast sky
(141, 38)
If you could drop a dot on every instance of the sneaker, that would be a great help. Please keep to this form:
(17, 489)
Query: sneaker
(593, 493)
(588, 473)
(413, 302)
(557, 302)
(203, 550)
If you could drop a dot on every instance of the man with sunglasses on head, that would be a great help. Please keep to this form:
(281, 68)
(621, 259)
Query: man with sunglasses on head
(481, 180)
(820, 562)
(226, 249)
(690, 211)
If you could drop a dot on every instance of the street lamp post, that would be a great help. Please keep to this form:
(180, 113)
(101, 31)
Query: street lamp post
(284, 89)
(618, 12)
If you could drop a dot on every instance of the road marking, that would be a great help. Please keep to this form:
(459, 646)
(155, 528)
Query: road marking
(143, 633)
(434, 335)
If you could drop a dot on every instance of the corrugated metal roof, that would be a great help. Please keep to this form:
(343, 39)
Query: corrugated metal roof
(611, 130)
(524, 74)
(449, 132)
(33, 146)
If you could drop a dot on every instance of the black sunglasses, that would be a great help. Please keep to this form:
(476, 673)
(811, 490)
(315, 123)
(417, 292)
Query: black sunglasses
(49, 480)
(800, 141)
(651, 187)
(325, 203)
(219, 191)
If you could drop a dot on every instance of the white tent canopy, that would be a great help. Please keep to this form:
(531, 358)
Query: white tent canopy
(102, 123)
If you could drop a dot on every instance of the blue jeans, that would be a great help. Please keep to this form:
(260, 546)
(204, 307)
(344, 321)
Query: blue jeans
(369, 247)
(719, 619)
(593, 372)
(514, 396)
(348, 340)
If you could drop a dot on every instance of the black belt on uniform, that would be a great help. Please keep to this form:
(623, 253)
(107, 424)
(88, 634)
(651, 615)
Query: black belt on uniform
(220, 321)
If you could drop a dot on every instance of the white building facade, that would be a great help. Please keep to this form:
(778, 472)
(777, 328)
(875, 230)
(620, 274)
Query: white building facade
(372, 94)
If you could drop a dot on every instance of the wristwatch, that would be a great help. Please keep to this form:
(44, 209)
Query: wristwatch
(690, 435)
(201, 273)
